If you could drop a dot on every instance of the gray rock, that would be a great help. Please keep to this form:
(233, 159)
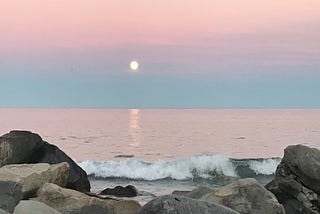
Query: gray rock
(170, 204)
(304, 162)
(70, 201)
(296, 184)
(246, 196)
(197, 193)
(33, 207)
(180, 193)
(18, 147)
(33, 176)
(10, 195)
(91, 209)
(3, 211)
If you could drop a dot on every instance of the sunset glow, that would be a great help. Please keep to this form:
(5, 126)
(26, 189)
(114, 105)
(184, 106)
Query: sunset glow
(235, 43)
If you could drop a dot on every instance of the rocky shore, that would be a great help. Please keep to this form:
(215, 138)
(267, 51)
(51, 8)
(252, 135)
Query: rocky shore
(37, 177)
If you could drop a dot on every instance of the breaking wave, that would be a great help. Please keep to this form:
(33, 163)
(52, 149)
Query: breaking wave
(204, 167)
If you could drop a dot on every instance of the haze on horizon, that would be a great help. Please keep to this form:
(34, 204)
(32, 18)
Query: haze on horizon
(191, 54)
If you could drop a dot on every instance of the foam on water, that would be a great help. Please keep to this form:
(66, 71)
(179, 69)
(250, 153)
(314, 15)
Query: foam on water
(264, 167)
(205, 166)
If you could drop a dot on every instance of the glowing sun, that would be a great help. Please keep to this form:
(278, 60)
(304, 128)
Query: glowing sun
(134, 65)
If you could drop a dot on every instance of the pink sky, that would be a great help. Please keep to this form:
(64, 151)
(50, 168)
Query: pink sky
(51, 23)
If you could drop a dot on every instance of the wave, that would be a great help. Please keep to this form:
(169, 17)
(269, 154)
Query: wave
(204, 167)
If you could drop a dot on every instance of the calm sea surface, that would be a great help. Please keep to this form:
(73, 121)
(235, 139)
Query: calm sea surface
(162, 134)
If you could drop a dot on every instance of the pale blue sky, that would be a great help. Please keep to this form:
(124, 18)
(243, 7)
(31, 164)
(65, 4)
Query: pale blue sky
(195, 54)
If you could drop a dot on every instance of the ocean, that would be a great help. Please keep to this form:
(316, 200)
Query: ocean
(161, 150)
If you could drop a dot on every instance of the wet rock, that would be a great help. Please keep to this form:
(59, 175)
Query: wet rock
(246, 196)
(296, 184)
(10, 195)
(119, 191)
(70, 201)
(170, 204)
(23, 147)
(33, 176)
(32, 207)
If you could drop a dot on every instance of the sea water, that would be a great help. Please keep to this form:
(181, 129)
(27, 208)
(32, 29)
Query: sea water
(161, 150)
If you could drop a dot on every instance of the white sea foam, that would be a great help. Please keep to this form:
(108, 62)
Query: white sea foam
(180, 169)
(264, 167)
(205, 166)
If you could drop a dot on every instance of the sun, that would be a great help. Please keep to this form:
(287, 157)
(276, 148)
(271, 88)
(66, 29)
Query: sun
(134, 65)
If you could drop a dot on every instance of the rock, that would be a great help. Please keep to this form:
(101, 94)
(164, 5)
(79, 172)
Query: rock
(197, 193)
(170, 204)
(246, 196)
(70, 201)
(119, 191)
(10, 195)
(33, 207)
(296, 184)
(19, 147)
(33, 176)
(3, 211)
(180, 193)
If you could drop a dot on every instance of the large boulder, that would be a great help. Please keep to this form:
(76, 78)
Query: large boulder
(196, 193)
(33, 176)
(18, 147)
(170, 204)
(10, 195)
(296, 184)
(69, 201)
(246, 196)
(119, 191)
(33, 207)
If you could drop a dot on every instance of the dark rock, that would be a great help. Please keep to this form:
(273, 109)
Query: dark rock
(296, 184)
(10, 195)
(246, 196)
(119, 191)
(77, 179)
(170, 204)
(19, 147)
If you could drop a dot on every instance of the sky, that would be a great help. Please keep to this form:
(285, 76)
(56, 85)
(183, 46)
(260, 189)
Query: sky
(191, 53)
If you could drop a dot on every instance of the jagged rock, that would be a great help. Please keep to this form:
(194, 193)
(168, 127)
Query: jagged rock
(33, 207)
(33, 176)
(170, 204)
(69, 201)
(18, 147)
(10, 195)
(246, 196)
(296, 184)
(119, 191)
(197, 193)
